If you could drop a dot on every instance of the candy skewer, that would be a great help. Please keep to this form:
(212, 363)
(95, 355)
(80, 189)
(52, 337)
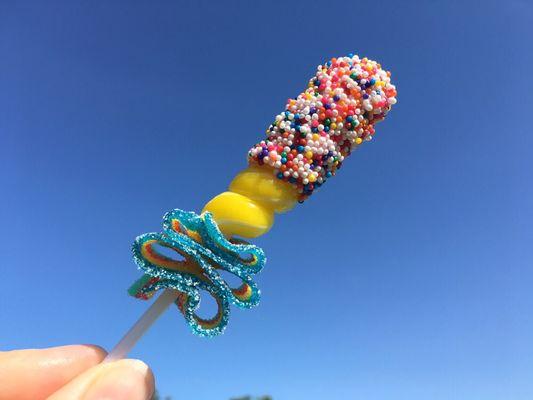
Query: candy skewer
(304, 147)
(138, 329)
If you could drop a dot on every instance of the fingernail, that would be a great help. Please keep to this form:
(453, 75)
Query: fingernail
(122, 380)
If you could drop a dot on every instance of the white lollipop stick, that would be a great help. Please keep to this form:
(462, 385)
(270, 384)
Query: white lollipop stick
(146, 320)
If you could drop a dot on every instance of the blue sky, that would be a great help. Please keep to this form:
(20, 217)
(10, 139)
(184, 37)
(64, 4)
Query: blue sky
(414, 272)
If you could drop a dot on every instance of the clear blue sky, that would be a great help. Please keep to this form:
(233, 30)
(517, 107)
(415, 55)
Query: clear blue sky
(112, 113)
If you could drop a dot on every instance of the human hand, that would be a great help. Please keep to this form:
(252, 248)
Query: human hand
(72, 373)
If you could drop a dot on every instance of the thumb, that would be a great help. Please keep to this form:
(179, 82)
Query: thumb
(118, 380)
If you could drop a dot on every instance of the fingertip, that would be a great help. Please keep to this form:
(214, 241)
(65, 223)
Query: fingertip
(148, 374)
(139, 367)
(94, 351)
(33, 373)
(84, 356)
(128, 379)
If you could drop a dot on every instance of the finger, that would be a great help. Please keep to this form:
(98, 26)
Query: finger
(35, 374)
(118, 380)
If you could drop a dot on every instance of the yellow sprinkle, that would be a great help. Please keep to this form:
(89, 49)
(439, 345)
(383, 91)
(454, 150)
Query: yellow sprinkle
(309, 155)
(315, 136)
(311, 178)
(333, 125)
(358, 140)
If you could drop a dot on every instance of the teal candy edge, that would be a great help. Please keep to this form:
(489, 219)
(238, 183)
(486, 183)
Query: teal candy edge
(215, 252)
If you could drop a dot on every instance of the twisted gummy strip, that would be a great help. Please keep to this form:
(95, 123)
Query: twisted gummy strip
(205, 251)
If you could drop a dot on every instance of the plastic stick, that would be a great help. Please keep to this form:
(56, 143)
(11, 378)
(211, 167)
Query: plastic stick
(129, 340)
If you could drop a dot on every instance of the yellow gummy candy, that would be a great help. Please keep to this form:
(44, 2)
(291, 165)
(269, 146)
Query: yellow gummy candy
(261, 185)
(248, 208)
(239, 215)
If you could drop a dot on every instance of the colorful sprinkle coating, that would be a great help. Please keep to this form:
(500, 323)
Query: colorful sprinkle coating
(205, 252)
(308, 142)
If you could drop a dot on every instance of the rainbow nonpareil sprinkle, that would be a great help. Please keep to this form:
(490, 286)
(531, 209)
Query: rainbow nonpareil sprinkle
(308, 142)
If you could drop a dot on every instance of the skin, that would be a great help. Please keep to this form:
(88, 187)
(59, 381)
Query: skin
(73, 373)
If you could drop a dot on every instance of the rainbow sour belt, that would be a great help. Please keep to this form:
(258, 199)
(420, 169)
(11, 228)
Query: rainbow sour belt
(305, 146)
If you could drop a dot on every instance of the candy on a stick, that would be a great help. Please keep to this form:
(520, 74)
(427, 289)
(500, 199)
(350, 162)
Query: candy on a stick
(304, 147)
